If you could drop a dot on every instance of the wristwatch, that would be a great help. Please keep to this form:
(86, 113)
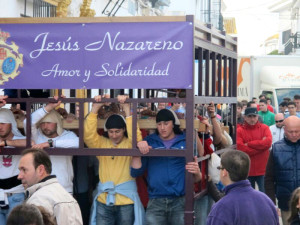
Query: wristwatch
(50, 141)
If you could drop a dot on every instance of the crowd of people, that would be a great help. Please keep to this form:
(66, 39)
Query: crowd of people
(36, 188)
(272, 142)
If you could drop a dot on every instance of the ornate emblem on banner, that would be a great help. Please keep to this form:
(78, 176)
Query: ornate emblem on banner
(10, 58)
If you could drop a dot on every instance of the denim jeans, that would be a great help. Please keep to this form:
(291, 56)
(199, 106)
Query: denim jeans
(115, 215)
(13, 201)
(202, 209)
(165, 211)
(260, 182)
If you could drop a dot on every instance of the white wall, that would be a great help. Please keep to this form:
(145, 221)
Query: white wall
(74, 8)
(99, 5)
(188, 7)
(11, 8)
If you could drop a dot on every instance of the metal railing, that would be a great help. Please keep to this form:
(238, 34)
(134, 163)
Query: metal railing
(43, 9)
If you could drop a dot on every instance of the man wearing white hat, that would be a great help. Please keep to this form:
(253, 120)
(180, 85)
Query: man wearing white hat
(47, 132)
(11, 189)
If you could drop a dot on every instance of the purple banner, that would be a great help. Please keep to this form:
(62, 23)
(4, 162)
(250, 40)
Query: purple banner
(96, 55)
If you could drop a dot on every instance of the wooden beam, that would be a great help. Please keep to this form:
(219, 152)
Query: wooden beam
(95, 19)
(51, 2)
(147, 124)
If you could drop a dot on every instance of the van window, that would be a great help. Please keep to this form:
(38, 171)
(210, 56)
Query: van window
(286, 92)
(269, 94)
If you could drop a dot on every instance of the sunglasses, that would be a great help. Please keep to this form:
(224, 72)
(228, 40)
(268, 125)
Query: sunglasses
(220, 168)
(278, 121)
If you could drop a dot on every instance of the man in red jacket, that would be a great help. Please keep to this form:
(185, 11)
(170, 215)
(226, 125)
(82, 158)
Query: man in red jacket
(255, 139)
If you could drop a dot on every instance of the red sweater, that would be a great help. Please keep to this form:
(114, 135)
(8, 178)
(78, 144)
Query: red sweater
(257, 147)
(208, 149)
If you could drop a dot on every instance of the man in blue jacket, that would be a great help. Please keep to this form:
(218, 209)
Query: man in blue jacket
(283, 168)
(241, 204)
(166, 175)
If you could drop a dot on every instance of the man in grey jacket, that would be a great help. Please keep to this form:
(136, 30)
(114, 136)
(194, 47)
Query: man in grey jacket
(43, 189)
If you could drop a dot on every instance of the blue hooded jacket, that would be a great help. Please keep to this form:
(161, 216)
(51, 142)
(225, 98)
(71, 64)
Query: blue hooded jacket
(166, 175)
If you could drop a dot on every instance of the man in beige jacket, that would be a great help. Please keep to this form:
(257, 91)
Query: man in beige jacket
(43, 189)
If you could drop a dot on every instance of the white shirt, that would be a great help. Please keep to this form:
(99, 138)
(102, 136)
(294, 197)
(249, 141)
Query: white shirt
(9, 164)
(277, 133)
(9, 167)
